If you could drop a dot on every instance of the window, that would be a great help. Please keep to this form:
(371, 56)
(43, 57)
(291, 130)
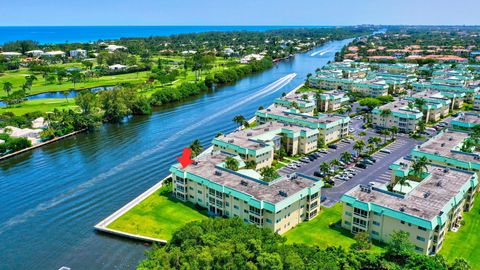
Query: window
(199, 192)
(236, 207)
(403, 222)
(422, 228)
(375, 233)
(360, 212)
(199, 200)
(417, 248)
(359, 222)
(191, 188)
(347, 223)
(348, 213)
(419, 238)
(227, 204)
(376, 223)
(268, 221)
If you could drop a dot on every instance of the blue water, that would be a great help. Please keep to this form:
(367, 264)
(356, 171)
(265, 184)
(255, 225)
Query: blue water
(72, 34)
(51, 197)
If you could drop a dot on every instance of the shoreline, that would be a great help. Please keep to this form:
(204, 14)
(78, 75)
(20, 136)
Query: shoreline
(102, 226)
(41, 144)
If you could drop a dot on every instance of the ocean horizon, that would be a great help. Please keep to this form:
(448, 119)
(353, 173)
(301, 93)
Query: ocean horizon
(82, 34)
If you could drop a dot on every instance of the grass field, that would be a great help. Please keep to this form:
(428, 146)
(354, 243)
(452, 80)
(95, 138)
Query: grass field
(42, 105)
(17, 78)
(321, 232)
(159, 215)
(466, 242)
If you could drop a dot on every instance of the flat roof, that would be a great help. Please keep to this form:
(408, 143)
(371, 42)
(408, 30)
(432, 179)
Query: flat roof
(469, 118)
(427, 199)
(252, 138)
(205, 167)
(284, 111)
(443, 144)
(400, 106)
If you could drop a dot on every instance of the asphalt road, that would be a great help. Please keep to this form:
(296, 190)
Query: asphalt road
(378, 172)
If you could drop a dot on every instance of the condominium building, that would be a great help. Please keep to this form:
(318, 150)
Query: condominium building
(476, 102)
(331, 101)
(435, 107)
(259, 143)
(331, 127)
(331, 83)
(446, 149)
(305, 102)
(398, 114)
(427, 210)
(469, 91)
(278, 205)
(465, 121)
(371, 88)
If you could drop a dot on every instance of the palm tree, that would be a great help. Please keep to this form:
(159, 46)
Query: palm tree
(239, 119)
(419, 165)
(421, 126)
(362, 134)
(250, 164)
(371, 147)
(358, 146)
(75, 77)
(346, 156)
(196, 147)
(403, 181)
(335, 162)
(385, 133)
(65, 94)
(394, 131)
(7, 87)
(384, 114)
(268, 174)
(324, 167)
(305, 97)
(231, 164)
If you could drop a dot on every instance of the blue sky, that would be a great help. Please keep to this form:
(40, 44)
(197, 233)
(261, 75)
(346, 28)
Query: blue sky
(244, 12)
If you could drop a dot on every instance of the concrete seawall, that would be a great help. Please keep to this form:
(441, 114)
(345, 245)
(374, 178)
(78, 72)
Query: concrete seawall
(103, 225)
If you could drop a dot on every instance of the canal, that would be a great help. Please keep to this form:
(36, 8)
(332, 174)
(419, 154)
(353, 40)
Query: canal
(52, 197)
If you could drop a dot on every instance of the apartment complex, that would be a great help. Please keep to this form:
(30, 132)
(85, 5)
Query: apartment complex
(305, 102)
(446, 149)
(435, 105)
(398, 114)
(331, 127)
(259, 143)
(427, 210)
(278, 205)
(476, 102)
(331, 101)
(465, 121)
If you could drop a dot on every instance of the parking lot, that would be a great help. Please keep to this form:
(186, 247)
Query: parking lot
(377, 172)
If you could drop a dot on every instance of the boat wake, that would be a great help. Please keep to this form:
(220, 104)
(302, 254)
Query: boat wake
(269, 89)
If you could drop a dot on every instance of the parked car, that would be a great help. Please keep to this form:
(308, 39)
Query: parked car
(371, 159)
(323, 198)
(333, 146)
(386, 151)
(367, 161)
(318, 174)
(361, 165)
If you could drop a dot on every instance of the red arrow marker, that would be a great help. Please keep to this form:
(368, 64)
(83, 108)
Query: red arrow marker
(185, 159)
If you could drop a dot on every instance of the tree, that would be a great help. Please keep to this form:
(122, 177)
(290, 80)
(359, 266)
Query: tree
(374, 140)
(419, 166)
(385, 133)
(421, 126)
(371, 147)
(231, 163)
(250, 164)
(394, 131)
(346, 156)
(403, 181)
(335, 162)
(65, 94)
(324, 167)
(362, 241)
(7, 87)
(385, 114)
(399, 248)
(358, 146)
(370, 103)
(196, 147)
(75, 77)
(239, 119)
(460, 264)
(86, 100)
(268, 174)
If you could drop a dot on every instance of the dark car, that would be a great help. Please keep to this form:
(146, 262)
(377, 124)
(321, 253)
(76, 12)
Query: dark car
(323, 198)
(361, 165)
(318, 174)
(371, 159)
(333, 146)
(312, 156)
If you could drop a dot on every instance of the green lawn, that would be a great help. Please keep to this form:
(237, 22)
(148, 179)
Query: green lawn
(17, 78)
(157, 216)
(321, 232)
(466, 242)
(42, 105)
